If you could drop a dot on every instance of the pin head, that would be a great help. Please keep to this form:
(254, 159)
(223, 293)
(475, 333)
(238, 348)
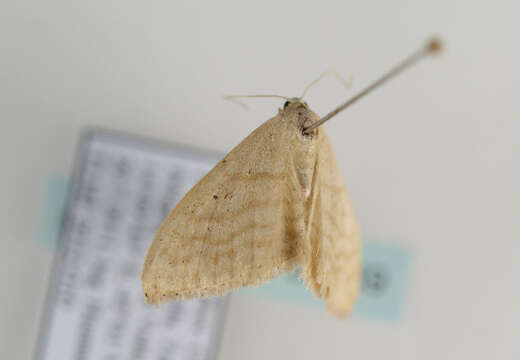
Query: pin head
(434, 46)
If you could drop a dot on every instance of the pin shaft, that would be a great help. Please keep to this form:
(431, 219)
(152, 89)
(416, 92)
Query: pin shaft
(431, 47)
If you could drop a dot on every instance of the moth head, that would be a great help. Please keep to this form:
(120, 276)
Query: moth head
(294, 101)
(296, 111)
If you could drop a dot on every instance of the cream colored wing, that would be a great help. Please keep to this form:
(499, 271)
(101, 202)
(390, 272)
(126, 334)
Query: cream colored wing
(242, 224)
(332, 261)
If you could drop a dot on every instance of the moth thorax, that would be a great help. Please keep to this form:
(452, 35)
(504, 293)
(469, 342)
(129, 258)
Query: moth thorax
(299, 113)
(299, 116)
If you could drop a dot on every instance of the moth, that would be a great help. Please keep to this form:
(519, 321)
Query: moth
(275, 202)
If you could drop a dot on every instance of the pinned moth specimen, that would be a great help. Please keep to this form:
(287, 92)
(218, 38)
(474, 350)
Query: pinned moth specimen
(275, 202)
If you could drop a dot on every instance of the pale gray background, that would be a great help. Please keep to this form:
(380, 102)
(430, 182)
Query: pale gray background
(431, 160)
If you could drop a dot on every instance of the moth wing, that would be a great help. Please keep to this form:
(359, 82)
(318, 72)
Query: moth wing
(240, 225)
(332, 261)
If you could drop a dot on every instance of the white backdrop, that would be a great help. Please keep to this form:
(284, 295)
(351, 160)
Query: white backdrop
(430, 160)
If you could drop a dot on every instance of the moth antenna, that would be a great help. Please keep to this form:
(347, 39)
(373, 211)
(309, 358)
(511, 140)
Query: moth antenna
(236, 101)
(346, 83)
(235, 98)
(432, 47)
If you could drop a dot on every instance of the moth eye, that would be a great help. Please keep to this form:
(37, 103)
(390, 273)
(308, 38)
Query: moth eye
(286, 103)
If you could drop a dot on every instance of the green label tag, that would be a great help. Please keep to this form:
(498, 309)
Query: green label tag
(385, 276)
(51, 211)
